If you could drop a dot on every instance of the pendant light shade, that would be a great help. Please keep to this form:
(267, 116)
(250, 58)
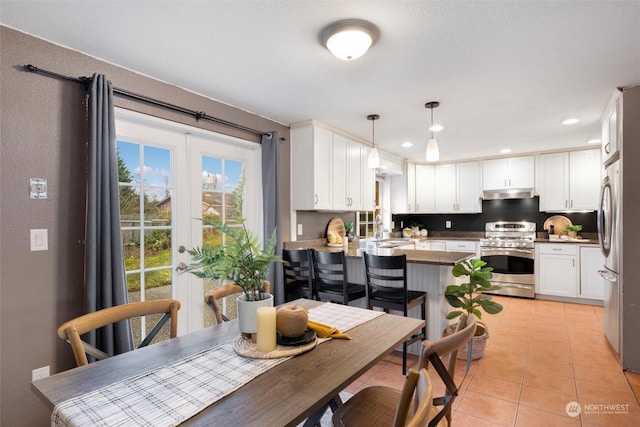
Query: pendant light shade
(374, 157)
(350, 38)
(433, 151)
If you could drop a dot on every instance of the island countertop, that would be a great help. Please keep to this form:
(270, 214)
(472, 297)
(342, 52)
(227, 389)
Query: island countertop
(413, 256)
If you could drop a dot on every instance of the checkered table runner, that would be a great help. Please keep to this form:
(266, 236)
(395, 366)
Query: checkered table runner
(171, 394)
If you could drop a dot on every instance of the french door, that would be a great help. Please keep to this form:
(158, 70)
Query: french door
(173, 178)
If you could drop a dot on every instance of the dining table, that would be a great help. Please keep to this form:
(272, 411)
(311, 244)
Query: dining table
(300, 388)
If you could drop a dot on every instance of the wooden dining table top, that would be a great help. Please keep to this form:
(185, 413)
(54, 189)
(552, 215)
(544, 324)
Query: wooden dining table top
(284, 395)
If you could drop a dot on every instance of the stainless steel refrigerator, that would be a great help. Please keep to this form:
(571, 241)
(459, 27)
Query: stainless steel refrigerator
(619, 225)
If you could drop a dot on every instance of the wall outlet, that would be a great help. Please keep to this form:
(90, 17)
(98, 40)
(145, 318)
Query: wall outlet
(299, 229)
(40, 373)
(447, 224)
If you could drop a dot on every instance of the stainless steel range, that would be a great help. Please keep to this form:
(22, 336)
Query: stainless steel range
(508, 248)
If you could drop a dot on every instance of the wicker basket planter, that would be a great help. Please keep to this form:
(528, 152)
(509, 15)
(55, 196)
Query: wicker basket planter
(478, 342)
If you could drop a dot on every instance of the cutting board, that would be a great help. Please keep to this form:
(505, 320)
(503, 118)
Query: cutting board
(336, 226)
(558, 221)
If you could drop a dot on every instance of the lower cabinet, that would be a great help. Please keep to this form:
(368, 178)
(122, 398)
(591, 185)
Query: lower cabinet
(569, 270)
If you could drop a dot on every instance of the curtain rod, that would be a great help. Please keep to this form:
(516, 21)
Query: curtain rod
(198, 115)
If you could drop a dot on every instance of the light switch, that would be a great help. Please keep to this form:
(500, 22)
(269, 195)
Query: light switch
(39, 240)
(447, 224)
(38, 188)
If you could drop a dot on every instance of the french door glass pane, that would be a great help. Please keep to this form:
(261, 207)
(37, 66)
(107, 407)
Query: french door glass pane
(145, 190)
(220, 177)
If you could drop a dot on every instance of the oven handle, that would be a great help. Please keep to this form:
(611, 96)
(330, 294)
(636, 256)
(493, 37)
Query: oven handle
(522, 253)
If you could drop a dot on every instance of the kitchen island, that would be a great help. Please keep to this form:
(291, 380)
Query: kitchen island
(428, 271)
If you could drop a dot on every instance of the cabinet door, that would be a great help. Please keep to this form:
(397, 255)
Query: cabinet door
(558, 275)
(354, 175)
(339, 174)
(591, 283)
(468, 187)
(521, 172)
(425, 188)
(584, 179)
(446, 199)
(311, 167)
(369, 186)
(495, 174)
(553, 182)
(411, 187)
(322, 168)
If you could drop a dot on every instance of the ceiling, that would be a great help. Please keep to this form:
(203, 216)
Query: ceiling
(505, 73)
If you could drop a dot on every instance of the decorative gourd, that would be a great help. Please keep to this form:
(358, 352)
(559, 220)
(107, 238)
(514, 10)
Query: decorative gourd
(291, 321)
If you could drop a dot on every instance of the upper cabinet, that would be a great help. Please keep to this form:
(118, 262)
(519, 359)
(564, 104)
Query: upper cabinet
(458, 188)
(569, 181)
(329, 171)
(513, 172)
(425, 184)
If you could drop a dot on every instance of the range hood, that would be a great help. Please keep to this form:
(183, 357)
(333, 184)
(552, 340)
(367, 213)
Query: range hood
(508, 193)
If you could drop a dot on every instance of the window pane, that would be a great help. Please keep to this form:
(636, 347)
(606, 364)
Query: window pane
(157, 248)
(157, 167)
(131, 242)
(133, 286)
(128, 162)
(157, 207)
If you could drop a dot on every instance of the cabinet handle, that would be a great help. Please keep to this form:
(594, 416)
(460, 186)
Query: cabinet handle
(607, 148)
(315, 197)
(409, 207)
(571, 205)
(566, 203)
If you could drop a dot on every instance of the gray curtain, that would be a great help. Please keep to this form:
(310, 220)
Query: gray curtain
(105, 281)
(271, 207)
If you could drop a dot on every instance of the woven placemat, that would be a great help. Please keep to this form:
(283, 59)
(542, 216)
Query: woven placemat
(247, 348)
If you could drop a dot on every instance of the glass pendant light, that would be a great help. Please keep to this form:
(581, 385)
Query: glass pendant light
(374, 157)
(433, 152)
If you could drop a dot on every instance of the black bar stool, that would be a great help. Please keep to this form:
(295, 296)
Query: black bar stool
(387, 288)
(332, 280)
(298, 274)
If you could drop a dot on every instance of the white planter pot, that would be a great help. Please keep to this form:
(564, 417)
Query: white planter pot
(247, 312)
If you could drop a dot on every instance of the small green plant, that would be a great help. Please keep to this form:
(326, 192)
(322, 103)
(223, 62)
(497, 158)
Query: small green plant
(574, 227)
(348, 227)
(468, 297)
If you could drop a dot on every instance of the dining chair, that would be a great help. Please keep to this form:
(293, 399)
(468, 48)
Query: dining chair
(213, 295)
(446, 348)
(71, 330)
(387, 406)
(331, 278)
(298, 274)
(387, 289)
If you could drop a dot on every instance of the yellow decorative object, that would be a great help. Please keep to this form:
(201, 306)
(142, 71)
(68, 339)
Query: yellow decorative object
(326, 331)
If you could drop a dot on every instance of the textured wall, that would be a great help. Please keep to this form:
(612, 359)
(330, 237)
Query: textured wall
(43, 135)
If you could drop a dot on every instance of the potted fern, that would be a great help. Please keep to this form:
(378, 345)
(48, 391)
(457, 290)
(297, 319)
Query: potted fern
(469, 298)
(240, 258)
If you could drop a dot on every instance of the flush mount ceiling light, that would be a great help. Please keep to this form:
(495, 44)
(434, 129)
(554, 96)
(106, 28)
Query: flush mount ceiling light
(374, 157)
(350, 38)
(433, 152)
(570, 121)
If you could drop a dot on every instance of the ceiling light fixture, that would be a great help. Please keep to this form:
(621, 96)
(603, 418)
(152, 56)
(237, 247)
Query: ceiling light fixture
(407, 144)
(350, 38)
(594, 141)
(433, 152)
(571, 121)
(374, 157)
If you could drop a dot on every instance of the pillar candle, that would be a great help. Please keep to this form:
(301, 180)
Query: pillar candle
(266, 339)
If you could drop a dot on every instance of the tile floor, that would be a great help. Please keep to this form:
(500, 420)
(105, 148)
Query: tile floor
(541, 356)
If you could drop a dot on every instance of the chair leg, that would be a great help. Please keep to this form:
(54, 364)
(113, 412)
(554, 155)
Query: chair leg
(404, 358)
(424, 317)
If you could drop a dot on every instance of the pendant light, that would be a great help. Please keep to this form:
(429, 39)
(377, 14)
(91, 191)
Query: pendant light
(433, 152)
(374, 157)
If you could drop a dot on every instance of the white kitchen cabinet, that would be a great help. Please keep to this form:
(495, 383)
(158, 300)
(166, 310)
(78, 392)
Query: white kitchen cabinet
(431, 245)
(311, 168)
(368, 182)
(557, 272)
(347, 173)
(512, 172)
(457, 188)
(411, 188)
(460, 246)
(425, 188)
(569, 181)
(591, 283)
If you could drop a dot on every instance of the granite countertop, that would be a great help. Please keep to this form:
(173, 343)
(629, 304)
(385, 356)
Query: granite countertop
(569, 241)
(413, 256)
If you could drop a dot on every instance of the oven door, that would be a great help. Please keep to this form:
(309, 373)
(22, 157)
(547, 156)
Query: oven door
(513, 270)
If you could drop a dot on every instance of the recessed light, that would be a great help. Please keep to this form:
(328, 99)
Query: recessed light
(571, 121)
(594, 141)
(407, 144)
(436, 128)
(505, 150)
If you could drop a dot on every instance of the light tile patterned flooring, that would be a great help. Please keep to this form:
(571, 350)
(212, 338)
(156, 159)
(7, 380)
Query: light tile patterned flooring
(541, 355)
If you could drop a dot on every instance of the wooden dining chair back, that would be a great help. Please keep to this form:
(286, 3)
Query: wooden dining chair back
(442, 354)
(212, 298)
(72, 330)
(298, 274)
(331, 278)
(387, 288)
(382, 405)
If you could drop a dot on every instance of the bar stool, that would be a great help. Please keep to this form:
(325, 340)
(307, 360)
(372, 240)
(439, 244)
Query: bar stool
(332, 280)
(387, 288)
(298, 274)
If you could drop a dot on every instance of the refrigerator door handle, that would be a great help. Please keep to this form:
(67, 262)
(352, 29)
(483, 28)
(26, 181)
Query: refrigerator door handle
(608, 276)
